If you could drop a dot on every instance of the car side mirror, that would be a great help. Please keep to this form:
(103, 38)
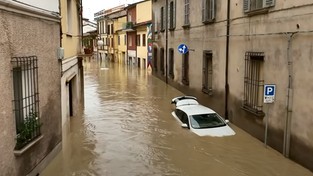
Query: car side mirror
(227, 121)
(184, 125)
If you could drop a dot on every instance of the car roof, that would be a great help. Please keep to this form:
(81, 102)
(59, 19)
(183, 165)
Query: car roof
(186, 102)
(195, 109)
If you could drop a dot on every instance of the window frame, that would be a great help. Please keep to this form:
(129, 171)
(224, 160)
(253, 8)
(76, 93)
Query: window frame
(186, 13)
(185, 69)
(171, 63)
(172, 15)
(162, 19)
(207, 72)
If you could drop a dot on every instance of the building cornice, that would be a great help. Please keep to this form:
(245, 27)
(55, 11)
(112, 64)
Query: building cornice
(18, 8)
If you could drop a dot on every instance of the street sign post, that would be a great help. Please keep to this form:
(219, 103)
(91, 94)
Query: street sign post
(269, 97)
(269, 93)
(182, 48)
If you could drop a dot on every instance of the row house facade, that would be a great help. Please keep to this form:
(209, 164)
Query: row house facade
(72, 68)
(235, 48)
(107, 30)
(71, 60)
(126, 33)
(30, 85)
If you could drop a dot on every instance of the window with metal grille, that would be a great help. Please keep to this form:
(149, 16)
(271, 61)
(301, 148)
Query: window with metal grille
(171, 63)
(207, 72)
(187, 12)
(253, 83)
(251, 5)
(162, 61)
(185, 69)
(208, 11)
(26, 99)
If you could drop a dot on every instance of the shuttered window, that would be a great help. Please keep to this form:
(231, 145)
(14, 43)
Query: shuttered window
(172, 15)
(251, 5)
(187, 12)
(208, 10)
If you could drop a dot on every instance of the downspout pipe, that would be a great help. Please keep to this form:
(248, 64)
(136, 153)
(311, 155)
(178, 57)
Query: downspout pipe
(227, 60)
(287, 130)
(166, 42)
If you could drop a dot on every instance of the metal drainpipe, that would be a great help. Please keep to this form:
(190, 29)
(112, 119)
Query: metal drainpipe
(287, 130)
(166, 41)
(227, 58)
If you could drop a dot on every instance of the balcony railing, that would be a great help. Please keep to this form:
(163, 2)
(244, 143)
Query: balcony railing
(128, 25)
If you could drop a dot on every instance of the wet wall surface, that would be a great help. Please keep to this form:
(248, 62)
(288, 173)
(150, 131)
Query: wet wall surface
(126, 128)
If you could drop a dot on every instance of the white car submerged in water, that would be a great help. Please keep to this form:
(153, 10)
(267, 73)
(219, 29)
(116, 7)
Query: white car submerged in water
(200, 119)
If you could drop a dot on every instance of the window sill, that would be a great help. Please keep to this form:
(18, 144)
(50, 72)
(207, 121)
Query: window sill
(207, 91)
(258, 11)
(208, 21)
(171, 29)
(255, 112)
(28, 146)
(186, 26)
(185, 82)
(69, 35)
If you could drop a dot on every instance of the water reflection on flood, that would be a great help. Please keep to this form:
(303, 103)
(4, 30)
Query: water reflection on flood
(126, 128)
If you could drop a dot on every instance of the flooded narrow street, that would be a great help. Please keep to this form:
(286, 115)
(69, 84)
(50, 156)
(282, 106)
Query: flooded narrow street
(127, 129)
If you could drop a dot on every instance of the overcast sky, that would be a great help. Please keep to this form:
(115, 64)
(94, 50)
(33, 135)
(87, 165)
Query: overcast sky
(92, 6)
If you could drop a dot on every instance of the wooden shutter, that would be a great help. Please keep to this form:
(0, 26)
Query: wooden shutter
(203, 9)
(246, 5)
(174, 14)
(212, 9)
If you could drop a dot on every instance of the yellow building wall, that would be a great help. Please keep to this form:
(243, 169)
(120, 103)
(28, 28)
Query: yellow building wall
(71, 35)
(142, 50)
(120, 23)
(144, 12)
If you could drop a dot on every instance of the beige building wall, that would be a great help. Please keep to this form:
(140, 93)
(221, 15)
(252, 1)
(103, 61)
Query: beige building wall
(270, 33)
(34, 34)
(266, 31)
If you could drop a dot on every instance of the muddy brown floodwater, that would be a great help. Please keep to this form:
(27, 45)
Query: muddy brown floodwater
(126, 128)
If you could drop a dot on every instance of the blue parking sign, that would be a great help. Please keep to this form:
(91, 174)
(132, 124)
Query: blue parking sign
(269, 93)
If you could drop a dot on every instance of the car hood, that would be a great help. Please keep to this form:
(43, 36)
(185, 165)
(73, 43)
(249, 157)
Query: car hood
(214, 132)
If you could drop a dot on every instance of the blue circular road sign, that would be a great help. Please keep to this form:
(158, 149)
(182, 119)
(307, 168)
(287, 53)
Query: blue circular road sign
(183, 49)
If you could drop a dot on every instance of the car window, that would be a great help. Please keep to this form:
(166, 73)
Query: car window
(206, 121)
(179, 114)
(185, 118)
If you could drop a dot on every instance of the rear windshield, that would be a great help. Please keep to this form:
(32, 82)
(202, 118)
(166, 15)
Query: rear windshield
(206, 121)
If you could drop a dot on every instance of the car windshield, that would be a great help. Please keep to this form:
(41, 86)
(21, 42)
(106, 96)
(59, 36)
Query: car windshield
(206, 121)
